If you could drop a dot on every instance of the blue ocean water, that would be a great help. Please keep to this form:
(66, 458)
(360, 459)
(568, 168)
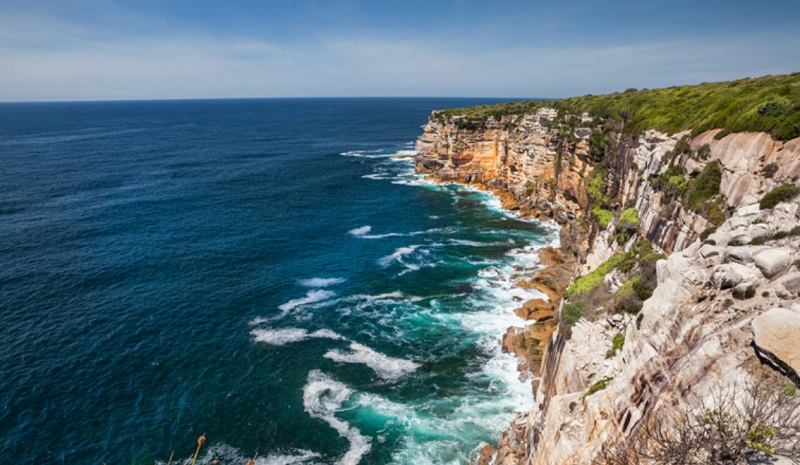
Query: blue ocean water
(268, 272)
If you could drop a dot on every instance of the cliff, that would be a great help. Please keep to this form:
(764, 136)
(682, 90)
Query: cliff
(687, 284)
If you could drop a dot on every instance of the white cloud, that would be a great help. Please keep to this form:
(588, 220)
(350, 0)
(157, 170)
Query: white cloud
(65, 64)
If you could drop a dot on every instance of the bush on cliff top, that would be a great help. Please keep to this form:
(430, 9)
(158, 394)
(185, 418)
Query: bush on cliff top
(768, 104)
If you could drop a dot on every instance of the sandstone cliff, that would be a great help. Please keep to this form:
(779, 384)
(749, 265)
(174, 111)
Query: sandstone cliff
(625, 199)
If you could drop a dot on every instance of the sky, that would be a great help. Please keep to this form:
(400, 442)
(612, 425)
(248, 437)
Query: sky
(175, 49)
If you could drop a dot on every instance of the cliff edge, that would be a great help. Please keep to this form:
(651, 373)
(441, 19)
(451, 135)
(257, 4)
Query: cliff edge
(678, 276)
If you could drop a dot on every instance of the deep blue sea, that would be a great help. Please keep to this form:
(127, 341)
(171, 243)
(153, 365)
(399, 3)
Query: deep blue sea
(268, 272)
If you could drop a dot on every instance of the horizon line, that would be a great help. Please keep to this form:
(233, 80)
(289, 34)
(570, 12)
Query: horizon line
(190, 99)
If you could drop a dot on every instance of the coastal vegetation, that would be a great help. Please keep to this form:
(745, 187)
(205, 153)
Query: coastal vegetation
(735, 425)
(597, 387)
(587, 283)
(780, 194)
(616, 345)
(769, 104)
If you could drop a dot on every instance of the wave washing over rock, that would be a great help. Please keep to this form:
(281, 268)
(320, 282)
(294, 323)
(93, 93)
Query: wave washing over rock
(678, 264)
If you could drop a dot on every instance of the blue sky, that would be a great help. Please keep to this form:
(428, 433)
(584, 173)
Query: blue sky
(155, 49)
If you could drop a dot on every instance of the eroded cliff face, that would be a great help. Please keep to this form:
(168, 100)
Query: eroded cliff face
(695, 331)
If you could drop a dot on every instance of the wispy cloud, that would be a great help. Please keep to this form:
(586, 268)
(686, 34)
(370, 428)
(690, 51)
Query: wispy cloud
(66, 62)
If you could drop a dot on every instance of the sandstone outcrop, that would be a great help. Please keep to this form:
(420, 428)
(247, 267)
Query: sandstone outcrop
(694, 333)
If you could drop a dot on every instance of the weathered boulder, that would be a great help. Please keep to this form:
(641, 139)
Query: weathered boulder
(776, 339)
(708, 250)
(732, 274)
(772, 261)
(536, 309)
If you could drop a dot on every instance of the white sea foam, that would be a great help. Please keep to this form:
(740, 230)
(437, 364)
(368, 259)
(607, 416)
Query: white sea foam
(323, 396)
(226, 453)
(364, 232)
(397, 255)
(296, 458)
(469, 243)
(388, 368)
(257, 321)
(283, 336)
(367, 154)
(321, 282)
(384, 296)
(316, 295)
(359, 232)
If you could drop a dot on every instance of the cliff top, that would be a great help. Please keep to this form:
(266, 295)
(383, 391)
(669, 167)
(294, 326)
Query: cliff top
(766, 104)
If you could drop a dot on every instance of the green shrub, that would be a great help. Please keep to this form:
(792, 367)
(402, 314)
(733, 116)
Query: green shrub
(783, 193)
(702, 188)
(585, 284)
(703, 152)
(616, 345)
(599, 144)
(597, 387)
(627, 287)
(628, 225)
(627, 265)
(671, 182)
(596, 189)
(643, 247)
(602, 216)
(629, 217)
(573, 312)
(773, 108)
(630, 296)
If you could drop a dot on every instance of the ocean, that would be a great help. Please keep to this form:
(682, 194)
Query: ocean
(268, 272)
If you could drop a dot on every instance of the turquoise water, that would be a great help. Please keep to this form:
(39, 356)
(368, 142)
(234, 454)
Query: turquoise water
(269, 272)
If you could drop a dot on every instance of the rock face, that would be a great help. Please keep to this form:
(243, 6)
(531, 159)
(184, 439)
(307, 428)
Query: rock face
(691, 335)
(776, 337)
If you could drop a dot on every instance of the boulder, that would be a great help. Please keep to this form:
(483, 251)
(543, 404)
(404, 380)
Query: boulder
(772, 261)
(737, 235)
(792, 285)
(708, 250)
(738, 222)
(776, 339)
(732, 274)
(744, 291)
(738, 255)
(759, 230)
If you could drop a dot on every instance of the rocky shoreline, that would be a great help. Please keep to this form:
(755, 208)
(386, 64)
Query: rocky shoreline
(709, 297)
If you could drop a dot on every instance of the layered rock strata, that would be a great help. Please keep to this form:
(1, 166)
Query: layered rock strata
(696, 331)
